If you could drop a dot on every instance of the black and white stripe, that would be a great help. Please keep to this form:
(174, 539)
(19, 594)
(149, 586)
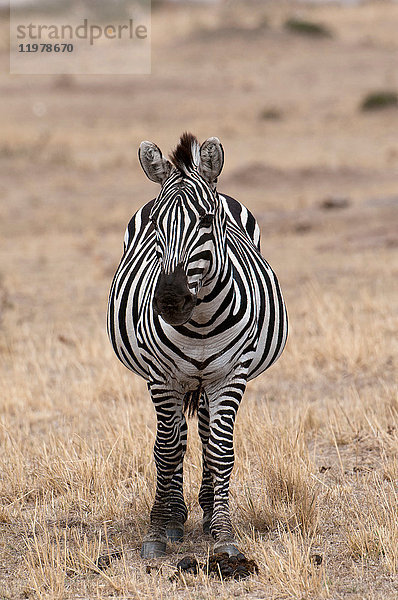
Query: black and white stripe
(206, 244)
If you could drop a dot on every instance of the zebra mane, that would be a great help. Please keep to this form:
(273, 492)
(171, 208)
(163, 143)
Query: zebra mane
(186, 155)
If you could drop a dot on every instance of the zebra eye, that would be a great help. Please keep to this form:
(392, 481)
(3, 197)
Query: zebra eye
(206, 220)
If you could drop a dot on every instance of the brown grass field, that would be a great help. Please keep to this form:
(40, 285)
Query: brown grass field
(316, 470)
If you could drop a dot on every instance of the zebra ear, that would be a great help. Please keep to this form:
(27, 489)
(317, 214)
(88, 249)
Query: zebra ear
(211, 159)
(155, 166)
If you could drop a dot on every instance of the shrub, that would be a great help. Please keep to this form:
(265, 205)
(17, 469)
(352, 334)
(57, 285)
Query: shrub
(379, 100)
(304, 27)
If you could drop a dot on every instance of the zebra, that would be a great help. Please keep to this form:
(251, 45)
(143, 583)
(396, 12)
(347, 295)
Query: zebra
(196, 311)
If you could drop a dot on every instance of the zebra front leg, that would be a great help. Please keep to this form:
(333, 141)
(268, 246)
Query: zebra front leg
(177, 507)
(168, 454)
(223, 407)
(206, 493)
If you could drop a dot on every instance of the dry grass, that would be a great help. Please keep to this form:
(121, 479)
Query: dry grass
(374, 529)
(316, 440)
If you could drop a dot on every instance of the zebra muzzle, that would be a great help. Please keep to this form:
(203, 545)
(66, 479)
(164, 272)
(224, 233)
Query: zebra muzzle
(172, 299)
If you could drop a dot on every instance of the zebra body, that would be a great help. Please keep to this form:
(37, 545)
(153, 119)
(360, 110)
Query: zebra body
(190, 353)
(197, 311)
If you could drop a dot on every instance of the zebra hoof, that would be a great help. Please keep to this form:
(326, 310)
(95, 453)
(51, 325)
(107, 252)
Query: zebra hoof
(153, 549)
(228, 548)
(174, 534)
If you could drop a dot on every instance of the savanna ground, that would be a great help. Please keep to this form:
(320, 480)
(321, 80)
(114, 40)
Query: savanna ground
(316, 440)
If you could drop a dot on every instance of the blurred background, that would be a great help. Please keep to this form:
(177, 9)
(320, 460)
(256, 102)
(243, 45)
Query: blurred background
(284, 85)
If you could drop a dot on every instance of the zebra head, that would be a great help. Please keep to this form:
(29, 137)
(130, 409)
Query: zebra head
(189, 222)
